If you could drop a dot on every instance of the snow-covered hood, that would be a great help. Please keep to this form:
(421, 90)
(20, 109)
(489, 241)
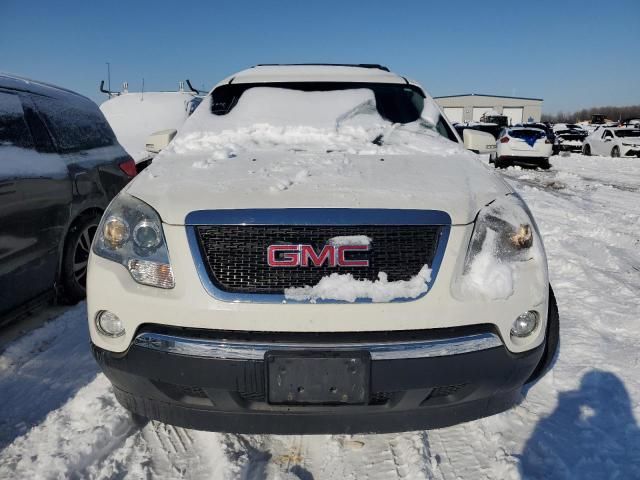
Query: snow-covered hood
(630, 140)
(458, 184)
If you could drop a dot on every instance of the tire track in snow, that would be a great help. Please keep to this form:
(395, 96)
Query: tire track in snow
(318, 457)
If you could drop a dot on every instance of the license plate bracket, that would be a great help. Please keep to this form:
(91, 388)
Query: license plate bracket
(318, 378)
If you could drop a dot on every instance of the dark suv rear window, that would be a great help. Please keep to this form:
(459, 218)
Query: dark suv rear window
(527, 133)
(13, 128)
(75, 125)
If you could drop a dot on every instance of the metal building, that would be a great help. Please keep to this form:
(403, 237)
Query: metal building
(471, 107)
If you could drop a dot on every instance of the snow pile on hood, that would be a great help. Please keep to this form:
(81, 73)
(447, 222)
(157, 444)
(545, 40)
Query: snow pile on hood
(348, 289)
(268, 118)
(349, 240)
(135, 116)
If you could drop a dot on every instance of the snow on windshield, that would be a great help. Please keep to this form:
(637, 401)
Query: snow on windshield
(267, 118)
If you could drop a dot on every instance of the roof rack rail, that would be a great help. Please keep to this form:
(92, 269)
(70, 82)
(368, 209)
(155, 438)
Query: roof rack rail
(357, 65)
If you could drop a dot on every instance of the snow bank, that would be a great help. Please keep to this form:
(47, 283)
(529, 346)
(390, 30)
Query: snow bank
(344, 287)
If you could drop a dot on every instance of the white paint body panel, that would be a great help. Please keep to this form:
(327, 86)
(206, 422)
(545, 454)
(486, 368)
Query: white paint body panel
(453, 181)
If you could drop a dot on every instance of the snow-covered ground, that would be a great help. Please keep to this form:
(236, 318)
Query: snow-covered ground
(59, 419)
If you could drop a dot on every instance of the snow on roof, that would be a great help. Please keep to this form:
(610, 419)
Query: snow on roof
(313, 73)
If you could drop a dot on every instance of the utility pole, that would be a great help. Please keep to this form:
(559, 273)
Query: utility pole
(109, 77)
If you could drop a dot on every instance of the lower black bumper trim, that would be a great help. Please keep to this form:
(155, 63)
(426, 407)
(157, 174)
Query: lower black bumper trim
(231, 395)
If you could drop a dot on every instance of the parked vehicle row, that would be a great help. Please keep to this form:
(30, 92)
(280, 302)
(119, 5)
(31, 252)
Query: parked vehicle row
(60, 166)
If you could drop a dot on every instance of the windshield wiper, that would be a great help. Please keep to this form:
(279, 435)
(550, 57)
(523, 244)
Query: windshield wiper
(380, 139)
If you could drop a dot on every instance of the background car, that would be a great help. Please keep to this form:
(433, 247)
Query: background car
(548, 129)
(60, 165)
(614, 142)
(523, 146)
(134, 116)
(569, 136)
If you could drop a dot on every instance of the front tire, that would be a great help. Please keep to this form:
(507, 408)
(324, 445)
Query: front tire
(586, 150)
(552, 339)
(75, 258)
(615, 152)
(545, 165)
(499, 162)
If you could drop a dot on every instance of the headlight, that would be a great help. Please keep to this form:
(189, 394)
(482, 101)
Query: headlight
(505, 247)
(629, 144)
(130, 233)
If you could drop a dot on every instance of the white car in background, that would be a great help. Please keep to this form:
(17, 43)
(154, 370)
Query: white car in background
(614, 142)
(138, 118)
(523, 146)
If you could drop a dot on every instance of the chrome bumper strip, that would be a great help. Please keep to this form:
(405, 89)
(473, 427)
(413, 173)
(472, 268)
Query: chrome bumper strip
(238, 350)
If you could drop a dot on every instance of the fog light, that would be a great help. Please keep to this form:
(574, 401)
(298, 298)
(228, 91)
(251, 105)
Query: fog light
(109, 324)
(525, 324)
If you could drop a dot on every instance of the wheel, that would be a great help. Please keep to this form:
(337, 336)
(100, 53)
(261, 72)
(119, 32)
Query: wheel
(500, 163)
(545, 165)
(586, 149)
(615, 152)
(76, 257)
(552, 339)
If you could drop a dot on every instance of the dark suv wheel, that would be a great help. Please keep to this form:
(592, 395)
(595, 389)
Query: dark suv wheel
(76, 257)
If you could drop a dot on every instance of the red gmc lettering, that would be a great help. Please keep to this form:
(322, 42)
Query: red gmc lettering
(289, 257)
(306, 256)
(342, 260)
(308, 253)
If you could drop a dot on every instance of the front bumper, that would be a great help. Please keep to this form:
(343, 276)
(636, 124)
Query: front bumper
(430, 380)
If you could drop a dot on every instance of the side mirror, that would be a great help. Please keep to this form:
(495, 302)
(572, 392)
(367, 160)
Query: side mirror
(159, 140)
(478, 142)
(608, 139)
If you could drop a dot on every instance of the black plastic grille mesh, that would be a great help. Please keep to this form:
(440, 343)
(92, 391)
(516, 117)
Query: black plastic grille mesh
(236, 256)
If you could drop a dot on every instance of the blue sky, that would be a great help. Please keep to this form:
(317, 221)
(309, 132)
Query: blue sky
(573, 54)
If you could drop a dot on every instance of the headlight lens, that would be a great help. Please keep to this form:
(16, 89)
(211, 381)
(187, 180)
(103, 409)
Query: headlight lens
(130, 233)
(504, 238)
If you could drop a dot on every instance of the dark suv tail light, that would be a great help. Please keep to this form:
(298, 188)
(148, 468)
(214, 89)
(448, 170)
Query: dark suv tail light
(504, 139)
(129, 167)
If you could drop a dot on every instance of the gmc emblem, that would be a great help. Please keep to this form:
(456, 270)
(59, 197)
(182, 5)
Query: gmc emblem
(306, 256)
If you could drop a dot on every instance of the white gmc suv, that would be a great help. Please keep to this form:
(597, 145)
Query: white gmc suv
(316, 252)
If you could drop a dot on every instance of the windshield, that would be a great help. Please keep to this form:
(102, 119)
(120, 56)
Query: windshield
(355, 118)
(627, 133)
(395, 103)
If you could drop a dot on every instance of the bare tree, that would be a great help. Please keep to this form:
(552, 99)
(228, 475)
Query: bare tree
(610, 112)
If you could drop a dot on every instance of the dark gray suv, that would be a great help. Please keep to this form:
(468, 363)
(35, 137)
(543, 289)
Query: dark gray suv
(60, 166)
